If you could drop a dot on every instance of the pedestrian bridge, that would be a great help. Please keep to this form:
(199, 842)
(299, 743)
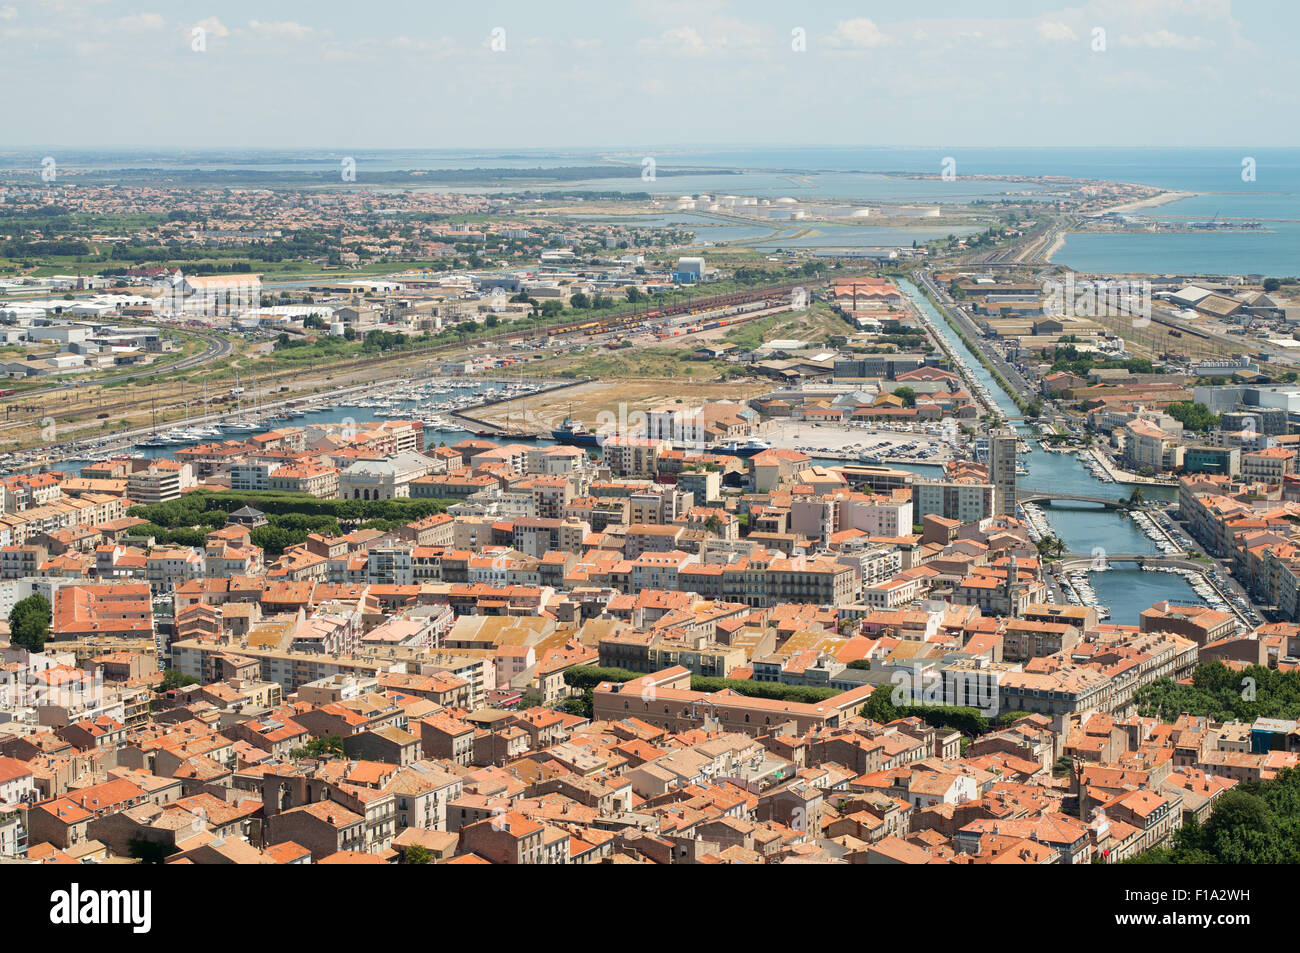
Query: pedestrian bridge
(1026, 495)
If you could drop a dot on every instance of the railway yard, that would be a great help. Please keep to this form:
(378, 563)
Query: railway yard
(68, 415)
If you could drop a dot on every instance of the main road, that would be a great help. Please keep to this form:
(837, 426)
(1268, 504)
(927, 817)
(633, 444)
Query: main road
(955, 313)
(216, 347)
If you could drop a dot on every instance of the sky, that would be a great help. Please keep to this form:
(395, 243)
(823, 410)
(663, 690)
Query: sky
(646, 74)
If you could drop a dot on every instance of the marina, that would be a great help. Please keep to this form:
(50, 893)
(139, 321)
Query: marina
(435, 402)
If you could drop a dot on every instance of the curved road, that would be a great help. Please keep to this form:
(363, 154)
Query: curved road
(217, 348)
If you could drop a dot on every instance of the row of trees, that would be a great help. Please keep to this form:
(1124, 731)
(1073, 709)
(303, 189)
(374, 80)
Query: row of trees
(205, 508)
(1218, 692)
(586, 677)
(969, 721)
(290, 517)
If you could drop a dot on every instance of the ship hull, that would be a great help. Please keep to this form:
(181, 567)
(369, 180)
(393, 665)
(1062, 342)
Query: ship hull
(576, 439)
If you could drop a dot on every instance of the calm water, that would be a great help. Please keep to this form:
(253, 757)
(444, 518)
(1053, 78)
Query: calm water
(1272, 192)
(854, 175)
(706, 228)
(1215, 174)
(1230, 253)
(1083, 526)
(861, 236)
(1130, 590)
(717, 230)
(337, 414)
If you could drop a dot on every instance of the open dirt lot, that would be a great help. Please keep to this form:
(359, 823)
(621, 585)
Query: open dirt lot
(839, 439)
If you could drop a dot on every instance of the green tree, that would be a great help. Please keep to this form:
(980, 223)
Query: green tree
(1193, 416)
(415, 854)
(907, 395)
(175, 678)
(880, 706)
(581, 705)
(530, 698)
(29, 623)
(1218, 692)
(1051, 547)
(319, 747)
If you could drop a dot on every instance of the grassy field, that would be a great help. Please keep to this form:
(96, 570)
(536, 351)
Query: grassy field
(817, 324)
(664, 362)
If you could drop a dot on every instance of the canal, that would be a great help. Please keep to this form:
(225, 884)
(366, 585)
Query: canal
(1084, 527)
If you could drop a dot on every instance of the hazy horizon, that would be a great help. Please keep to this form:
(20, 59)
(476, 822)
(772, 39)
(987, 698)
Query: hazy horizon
(708, 74)
(630, 151)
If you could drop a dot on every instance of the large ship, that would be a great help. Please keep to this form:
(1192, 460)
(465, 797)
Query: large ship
(573, 432)
(752, 446)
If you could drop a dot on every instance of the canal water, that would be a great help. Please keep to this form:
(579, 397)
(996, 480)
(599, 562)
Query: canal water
(1084, 527)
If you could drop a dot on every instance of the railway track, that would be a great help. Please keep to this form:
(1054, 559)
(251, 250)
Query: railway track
(118, 409)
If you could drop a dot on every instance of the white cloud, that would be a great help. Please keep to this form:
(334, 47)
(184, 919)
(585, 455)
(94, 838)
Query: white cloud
(141, 21)
(213, 27)
(1056, 32)
(1165, 40)
(862, 33)
(680, 41)
(283, 28)
(418, 44)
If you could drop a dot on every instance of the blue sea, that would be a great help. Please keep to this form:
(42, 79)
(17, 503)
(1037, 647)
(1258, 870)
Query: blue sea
(878, 174)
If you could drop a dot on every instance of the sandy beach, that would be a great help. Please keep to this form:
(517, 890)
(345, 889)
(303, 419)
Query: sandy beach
(1164, 198)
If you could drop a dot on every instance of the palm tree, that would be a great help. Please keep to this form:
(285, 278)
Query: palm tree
(1051, 547)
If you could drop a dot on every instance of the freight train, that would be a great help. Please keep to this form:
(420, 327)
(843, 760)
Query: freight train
(728, 305)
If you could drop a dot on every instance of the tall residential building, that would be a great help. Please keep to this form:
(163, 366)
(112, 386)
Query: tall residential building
(965, 500)
(1002, 468)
